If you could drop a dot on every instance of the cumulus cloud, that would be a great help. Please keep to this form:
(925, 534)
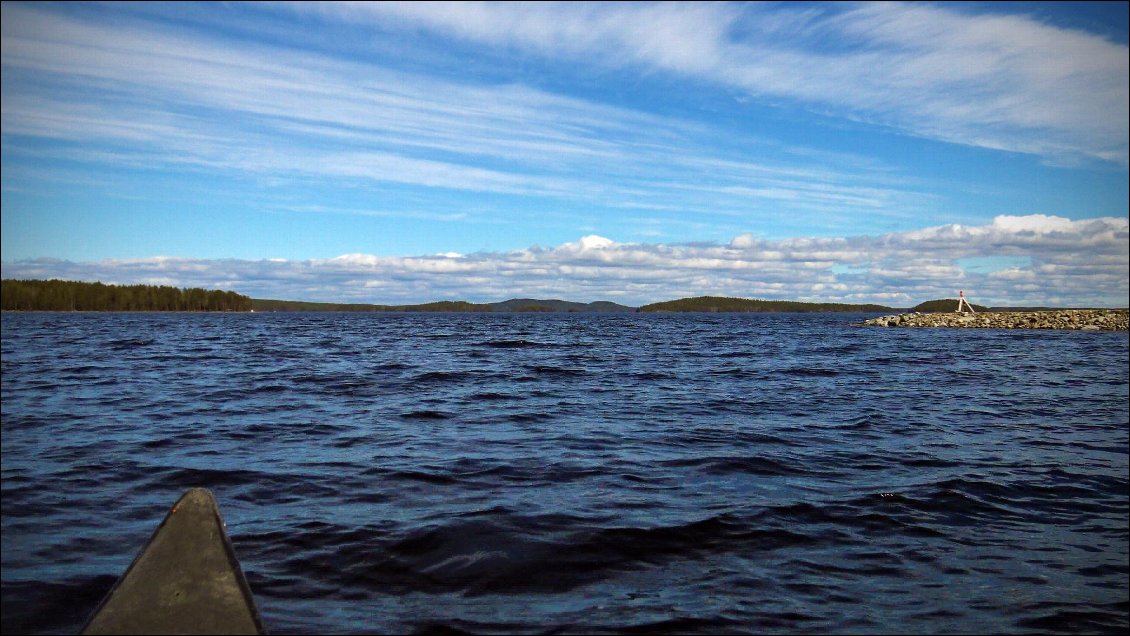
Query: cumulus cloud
(1038, 223)
(1077, 263)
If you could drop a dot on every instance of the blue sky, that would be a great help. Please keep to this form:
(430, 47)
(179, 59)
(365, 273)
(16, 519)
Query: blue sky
(637, 152)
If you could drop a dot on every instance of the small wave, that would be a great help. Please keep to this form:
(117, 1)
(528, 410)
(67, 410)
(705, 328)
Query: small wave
(1078, 618)
(81, 370)
(942, 505)
(339, 384)
(417, 475)
(692, 625)
(63, 607)
(528, 418)
(130, 343)
(351, 441)
(494, 396)
(738, 354)
(810, 372)
(843, 349)
(245, 484)
(163, 442)
(391, 366)
(438, 377)
(550, 370)
(30, 421)
(654, 375)
(504, 553)
(836, 522)
(635, 546)
(426, 414)
(733, 372)
(737, 464)
(322, 429)
(512, 344)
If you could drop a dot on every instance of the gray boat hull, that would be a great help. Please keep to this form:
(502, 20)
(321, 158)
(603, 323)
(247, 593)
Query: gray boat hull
(186, 580)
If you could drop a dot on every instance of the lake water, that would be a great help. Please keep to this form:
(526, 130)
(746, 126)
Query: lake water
(753, 473)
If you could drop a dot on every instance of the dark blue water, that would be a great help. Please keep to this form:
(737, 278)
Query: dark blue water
(577, 473)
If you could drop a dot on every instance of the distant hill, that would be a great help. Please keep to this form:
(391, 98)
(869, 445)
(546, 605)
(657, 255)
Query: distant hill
(709, 304)
(722, 304)
(534, 305)
(508, 306)
(259, 304)
(444, 306)
(262, 304)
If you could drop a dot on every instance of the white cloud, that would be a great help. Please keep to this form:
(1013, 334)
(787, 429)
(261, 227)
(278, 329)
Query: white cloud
(742, 241)
(588, 243)
(133, 94)
(992, 80)
(1038, 223)
(1080, 263)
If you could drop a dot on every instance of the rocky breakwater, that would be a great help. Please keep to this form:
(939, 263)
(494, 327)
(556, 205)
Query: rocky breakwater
(1081, 319)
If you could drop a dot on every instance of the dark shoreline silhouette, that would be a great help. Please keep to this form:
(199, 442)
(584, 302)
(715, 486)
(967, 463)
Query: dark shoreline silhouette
(58, 295)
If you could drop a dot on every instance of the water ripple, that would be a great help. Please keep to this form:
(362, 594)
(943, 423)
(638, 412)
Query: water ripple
(479, 473)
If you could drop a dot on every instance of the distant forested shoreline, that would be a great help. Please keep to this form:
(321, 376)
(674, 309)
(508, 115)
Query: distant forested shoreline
(61, 295)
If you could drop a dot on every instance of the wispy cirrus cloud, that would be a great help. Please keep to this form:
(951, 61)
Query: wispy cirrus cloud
(990, 80)
(1073, 263)
(309, 130)
(133, 94)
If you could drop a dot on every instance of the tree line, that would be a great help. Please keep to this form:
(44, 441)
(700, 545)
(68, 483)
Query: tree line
(62, 295)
